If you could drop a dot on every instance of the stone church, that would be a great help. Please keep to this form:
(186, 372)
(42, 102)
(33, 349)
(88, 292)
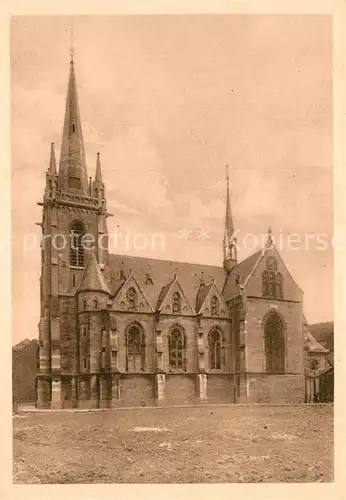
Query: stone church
(120, 330)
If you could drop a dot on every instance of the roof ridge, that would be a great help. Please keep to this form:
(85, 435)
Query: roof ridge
(164, 260)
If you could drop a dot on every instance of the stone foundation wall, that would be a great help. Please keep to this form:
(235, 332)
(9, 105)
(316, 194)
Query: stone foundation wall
(276, 389)
(180, 389)
(136, 390)
(220, 388)
(122, 390)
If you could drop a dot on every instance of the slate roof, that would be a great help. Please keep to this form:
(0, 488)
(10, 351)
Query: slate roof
(243, 269)
(311, 343)
(92, 278)
(164, 291)
(201, 295)
(323, 333)
(155, 276)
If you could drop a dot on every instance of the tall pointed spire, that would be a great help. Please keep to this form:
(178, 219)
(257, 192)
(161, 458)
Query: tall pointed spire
(229, 242)
(52, 161)
(72, 168)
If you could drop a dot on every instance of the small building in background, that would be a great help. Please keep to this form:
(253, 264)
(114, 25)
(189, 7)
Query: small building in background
(319, 358)
(25, 361)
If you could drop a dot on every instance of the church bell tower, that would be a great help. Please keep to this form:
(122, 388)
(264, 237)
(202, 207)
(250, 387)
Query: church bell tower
(74, 213)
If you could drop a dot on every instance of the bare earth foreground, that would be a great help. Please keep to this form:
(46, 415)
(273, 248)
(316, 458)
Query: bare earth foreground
(176, 445)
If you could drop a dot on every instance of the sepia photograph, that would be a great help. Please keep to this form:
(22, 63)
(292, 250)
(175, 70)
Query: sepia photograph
(172, 249)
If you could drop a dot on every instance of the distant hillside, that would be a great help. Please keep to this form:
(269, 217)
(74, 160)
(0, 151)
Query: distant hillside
(24, 370)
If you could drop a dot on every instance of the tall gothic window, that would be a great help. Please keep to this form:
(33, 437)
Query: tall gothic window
(135, 348)
(272, 282)
(215, 350)
(176, 347)
(76, 244)
(131, 296)
(214, 306)
(274, 340)
(176, 303)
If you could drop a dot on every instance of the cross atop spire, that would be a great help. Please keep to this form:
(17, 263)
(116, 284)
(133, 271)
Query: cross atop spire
(71, 46)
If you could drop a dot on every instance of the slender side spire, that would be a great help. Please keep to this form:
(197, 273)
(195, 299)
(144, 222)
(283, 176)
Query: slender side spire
(72, 168)
(98, 174)
(52, 161)
(229, 242)
(98, 186)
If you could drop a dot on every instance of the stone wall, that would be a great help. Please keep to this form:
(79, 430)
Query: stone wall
(291, 314)
(276, 389)
(220, 388)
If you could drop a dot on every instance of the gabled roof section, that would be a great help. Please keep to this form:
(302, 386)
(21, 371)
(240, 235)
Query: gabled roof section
(205, 305)
(202, 294)
(92, 278)
(240, 274)
(161, 273)
(128, 283)
(312, 344)
(165, 292)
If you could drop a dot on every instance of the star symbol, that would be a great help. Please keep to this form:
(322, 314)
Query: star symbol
(202, 234)
(184, 234)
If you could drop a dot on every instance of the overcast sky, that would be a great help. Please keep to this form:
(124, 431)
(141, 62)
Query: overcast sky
(168, 101)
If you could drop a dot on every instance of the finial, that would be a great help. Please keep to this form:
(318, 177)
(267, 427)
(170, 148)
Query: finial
(270, 239)
(122, 274)
(71, 47)
(227, 176)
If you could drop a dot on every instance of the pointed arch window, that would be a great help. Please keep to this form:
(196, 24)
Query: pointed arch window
(215, 306)
(176, 303)
(274, 340)
(215, 344)
(84, 303)
(96, 304)
(132, 297)
(177, 346)
(272, 281)
(135, 348)
(76, 244)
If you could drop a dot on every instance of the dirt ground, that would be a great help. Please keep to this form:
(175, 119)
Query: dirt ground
(176, 445)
